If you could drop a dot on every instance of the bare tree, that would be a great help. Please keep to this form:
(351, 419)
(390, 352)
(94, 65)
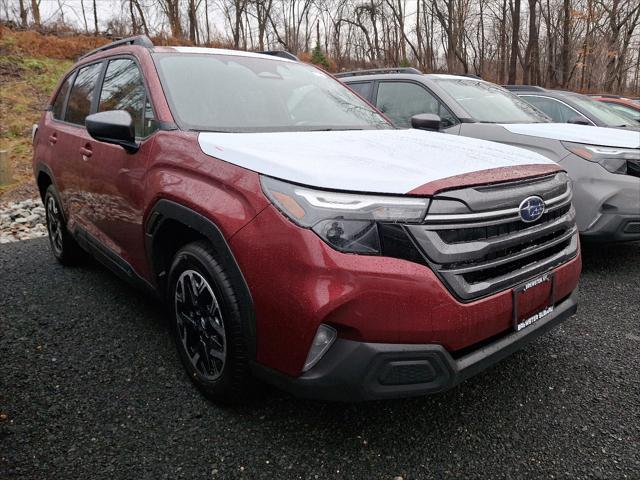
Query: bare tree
(35, 12)
(23, 15)
(515, 39)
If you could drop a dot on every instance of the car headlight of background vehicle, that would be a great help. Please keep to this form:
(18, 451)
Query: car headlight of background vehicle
(348, 222)
(613, 159)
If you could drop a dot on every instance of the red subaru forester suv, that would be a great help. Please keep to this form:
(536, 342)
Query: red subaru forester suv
(294, 234)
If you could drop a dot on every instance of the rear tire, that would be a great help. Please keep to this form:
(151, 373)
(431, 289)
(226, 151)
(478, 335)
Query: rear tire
(207, 325)
(63, 245)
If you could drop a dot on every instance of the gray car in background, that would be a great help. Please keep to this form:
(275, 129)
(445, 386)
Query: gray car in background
(571, 107)
(603, 163)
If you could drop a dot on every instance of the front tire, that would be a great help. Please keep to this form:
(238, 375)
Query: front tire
(207, 325)
(63, 245)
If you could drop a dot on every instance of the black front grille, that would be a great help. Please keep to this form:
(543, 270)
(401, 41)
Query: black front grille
(490, 231)
(505, 269)
(478, 251)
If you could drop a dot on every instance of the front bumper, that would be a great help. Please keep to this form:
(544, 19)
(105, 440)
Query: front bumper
(613, 227)
(355, 371)
(298, 282)
(607, 204)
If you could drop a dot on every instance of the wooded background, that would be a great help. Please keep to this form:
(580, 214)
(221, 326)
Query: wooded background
(582, 45)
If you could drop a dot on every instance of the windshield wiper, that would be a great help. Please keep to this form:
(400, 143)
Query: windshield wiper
(331, 129)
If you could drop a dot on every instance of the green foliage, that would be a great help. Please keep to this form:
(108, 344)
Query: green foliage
(404, 63)
(319, 58)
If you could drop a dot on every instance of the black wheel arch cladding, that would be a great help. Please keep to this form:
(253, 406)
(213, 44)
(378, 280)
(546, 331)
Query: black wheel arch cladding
(168, 211)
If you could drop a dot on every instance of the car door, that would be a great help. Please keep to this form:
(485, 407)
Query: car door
(116, 193)
(400, 100)
(68, 138)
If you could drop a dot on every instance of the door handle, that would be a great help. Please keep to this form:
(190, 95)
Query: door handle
(86, 152)
(53, 138)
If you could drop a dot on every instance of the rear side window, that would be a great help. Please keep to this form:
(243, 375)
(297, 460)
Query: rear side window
(123, 89)
(79, 104)
(58, 104)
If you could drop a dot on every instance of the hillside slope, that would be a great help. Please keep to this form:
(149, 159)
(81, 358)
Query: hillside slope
(30, 66)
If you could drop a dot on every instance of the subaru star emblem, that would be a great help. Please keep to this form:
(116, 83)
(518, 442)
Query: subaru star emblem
(531, 209)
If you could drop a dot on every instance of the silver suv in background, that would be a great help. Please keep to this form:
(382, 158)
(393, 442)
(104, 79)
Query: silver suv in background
(603, 163)
(571, 107)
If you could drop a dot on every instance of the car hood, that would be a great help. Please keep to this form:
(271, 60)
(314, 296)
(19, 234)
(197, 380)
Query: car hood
(379, 161)
(606, 137)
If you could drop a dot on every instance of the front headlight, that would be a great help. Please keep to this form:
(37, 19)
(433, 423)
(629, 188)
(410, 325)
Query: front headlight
(613, 159)
(346, 221)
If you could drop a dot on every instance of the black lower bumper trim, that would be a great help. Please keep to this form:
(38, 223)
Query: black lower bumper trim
(613, 228)
(354, 371)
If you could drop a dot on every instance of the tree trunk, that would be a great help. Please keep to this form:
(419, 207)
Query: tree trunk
(134, 24)
(23, 15)
(95, 18)
(532, 46)
(206, 19)
(35, 11)
(503, 44)
(84, 17)
(191, 14)
(566, 42)
(143, 21)
(515, 41)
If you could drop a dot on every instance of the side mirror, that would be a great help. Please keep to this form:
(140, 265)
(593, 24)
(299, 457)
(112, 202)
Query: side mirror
(113, 126)
(426, 121)
(578, 121)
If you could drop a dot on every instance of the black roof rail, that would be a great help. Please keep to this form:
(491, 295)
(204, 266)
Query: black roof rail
(141, 40)
(378, 71)
(524, 88)
(281, 54)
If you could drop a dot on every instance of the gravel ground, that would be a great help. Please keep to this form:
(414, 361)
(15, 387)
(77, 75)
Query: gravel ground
(22, 220)
(91, 387)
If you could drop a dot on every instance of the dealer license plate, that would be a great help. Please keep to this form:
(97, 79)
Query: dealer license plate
(533, 300)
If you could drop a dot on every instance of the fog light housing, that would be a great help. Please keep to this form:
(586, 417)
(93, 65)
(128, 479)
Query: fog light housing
(325, 336)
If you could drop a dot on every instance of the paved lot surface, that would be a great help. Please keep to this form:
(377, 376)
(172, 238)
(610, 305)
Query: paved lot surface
(91, 387)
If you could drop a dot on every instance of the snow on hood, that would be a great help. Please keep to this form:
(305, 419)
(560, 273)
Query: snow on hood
(380, 161)
(568, 132)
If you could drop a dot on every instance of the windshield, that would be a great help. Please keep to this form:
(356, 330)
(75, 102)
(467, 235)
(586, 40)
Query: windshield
(229, 93)
(601, 111)
(627, 111)
(489, 103)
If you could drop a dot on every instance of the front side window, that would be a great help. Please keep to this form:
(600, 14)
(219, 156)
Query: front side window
(402, 100)
(123, 89)
(489, 103)
(236, 93)
(362, 88)
(81, 96)
(58, 104)
(558, 111)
